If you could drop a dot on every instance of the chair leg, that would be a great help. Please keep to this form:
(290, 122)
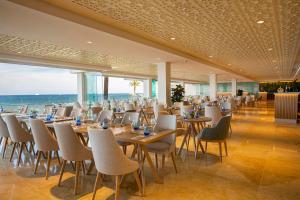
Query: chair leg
(13, 151)
(225, 145)
(57, 155)
(77, 164)
(230, 130)
(163, 161)
(98, 179)
(4, 147)
(118, 183)
(174, 163)
(91, 167)
(124, 147)
(83, 167)
(156, 161)
(134, 151)
(205, 147)
(220, 150)
(197, 149)
(37, 161)
(62, 171)
(138, 182)
(20, 153)
(48, 163)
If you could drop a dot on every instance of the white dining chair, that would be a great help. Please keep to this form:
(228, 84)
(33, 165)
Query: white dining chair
(129, 107)
(45, 142)
(105, 114)
(128, 118)
(19, 136)
(71, 149)
(48, 109)
(4, 135)
(61, 112)
(110, 160)
(23, 110)
(167, 145)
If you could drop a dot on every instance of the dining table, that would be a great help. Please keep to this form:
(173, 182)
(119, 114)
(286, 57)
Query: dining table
(127, 134)
(192, 124)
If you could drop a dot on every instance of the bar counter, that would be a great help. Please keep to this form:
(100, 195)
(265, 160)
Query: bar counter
(287, 108)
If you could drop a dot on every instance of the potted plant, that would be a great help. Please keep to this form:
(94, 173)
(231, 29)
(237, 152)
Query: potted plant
(177, 94)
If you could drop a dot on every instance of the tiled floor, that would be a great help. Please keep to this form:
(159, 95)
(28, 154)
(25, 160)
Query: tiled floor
(263, 163)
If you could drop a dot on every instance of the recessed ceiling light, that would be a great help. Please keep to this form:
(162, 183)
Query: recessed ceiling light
(260, 21)
(276, 67)
(172, 38)
(89, 42)
(229, 64)
(19, 52)
(270, 49)
(241, 70)
(210, 56)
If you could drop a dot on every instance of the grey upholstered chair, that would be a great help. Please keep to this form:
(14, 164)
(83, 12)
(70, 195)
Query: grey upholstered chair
(218, 134)
(71, 149)
(109, 159)
(165, 146)
(19, 136)
(45, 142)
(4, 134)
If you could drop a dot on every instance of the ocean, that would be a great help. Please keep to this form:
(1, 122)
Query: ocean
(37, 102)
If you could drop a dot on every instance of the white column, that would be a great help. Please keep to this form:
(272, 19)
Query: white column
(213, 86)
(233, 87)
(164, 83)
(81, 88)
(148, 88)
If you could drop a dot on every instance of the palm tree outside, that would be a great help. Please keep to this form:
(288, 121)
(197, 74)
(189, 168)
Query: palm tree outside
(134, 84)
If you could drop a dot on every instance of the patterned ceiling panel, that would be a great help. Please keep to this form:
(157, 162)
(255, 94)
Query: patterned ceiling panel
(224, 32)
(38, 49)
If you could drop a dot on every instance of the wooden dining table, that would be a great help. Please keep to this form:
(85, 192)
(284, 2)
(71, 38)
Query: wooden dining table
(136, 137)
(192, 131)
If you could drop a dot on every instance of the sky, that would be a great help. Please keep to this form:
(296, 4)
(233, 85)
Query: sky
(23, 79)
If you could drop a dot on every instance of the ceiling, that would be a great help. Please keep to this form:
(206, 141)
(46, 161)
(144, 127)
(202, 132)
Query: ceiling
(213, 36)
(226, 30)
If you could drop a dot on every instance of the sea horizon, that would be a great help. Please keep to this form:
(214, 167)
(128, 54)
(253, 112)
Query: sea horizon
(38, 101)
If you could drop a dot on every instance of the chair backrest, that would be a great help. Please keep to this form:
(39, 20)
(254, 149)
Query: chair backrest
(248, 98)
(219, 132)
(96, 110)
(130, 117)
(48, 109)
(227, 105)
(109, 158)
(129, 107)
(23, 109)
(44, 140)
(75, 112)
(164, 122)
(76, 105)
(61, 112)
(16, 132)
(159, 109)
(105, 114)
(3, 128)
(68, 111)
(214, 113)
(69, 144)
(222, 128)
(185, 109)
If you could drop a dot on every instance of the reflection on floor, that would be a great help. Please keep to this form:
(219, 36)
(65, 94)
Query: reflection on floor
(263, 163)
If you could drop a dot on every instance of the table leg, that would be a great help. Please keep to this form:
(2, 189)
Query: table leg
(153, 170)
(141, 166)
(183, 142)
